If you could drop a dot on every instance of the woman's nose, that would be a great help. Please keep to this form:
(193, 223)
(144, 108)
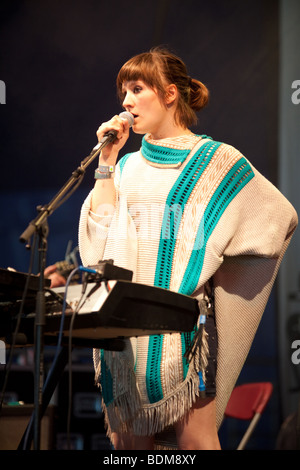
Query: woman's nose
(127, 102)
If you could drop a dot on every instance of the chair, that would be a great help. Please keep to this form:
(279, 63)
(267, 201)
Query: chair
(247, 402)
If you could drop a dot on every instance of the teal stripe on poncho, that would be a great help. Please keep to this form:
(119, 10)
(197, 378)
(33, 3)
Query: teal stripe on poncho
(176, 201)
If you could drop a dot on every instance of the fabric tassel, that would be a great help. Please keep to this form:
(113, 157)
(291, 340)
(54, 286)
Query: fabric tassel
(152, 419)
(198, 338)
(198, 350)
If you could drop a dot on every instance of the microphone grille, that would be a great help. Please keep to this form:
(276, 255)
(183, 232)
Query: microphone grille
(128, 117)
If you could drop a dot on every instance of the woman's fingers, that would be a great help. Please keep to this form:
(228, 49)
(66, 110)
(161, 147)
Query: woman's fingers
(116, 124)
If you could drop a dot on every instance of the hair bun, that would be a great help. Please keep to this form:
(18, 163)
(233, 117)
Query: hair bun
(199, 94)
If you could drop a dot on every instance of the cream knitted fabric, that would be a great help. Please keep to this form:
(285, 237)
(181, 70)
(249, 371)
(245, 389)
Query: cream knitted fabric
(181, 219)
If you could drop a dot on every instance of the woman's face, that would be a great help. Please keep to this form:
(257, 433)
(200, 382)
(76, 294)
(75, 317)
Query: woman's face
(150, 114)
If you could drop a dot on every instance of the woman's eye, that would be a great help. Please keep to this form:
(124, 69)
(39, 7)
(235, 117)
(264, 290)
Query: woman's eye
(137, 89)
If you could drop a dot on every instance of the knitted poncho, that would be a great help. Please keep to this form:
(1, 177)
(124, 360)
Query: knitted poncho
(188, 210)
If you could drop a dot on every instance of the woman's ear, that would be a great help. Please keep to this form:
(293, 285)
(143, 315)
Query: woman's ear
(171, 94)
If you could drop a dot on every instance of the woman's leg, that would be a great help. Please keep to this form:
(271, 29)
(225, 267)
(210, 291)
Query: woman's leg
(197, 430)
(130, 442)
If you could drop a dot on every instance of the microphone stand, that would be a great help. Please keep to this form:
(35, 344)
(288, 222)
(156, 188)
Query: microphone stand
(39, 227)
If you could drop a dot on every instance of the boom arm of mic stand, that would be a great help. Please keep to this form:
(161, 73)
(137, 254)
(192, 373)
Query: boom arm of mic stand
(48, 209)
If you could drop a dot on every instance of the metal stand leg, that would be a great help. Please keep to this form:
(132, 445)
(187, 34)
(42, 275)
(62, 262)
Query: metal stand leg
(49, 387)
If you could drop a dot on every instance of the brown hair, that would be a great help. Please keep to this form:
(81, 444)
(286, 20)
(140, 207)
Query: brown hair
(159, 68)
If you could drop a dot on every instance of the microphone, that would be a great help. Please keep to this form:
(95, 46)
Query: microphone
(110, 136)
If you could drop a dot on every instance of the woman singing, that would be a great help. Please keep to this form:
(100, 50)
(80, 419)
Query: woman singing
(192, 215)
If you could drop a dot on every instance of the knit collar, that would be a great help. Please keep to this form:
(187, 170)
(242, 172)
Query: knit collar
(163, 155)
